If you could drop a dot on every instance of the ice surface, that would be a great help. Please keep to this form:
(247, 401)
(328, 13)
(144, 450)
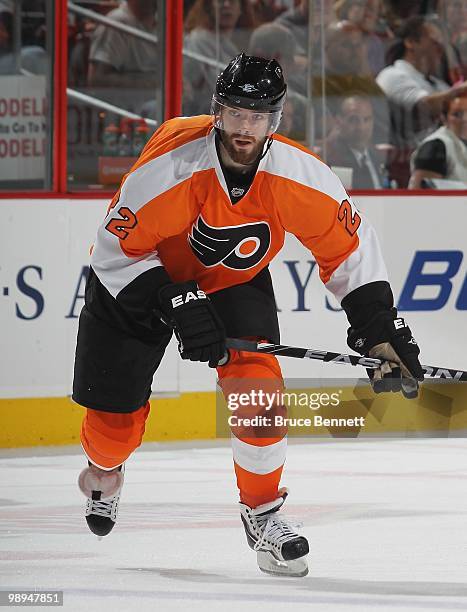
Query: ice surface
(387, 521)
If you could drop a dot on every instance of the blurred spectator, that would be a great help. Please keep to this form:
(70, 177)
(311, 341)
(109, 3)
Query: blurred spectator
(296, 21)
(374, 20)
(416, 95)
(398, 11)
(7, 60)
(462, 48)
(267, 10)
(443, 154)
(351, 144)
(81, 32)
(376, 33)
(286, 124)
(363, 15)
(453, 14)
(453, 20)
(217, 30)
(346, 50)
(187, 4)
(33, 28)
(120, 60)
(273, 41)
(348, 73)
(80, 35)
(367, 15)
(293, 122)
(32, 58)
(350, 10)
(450, 66)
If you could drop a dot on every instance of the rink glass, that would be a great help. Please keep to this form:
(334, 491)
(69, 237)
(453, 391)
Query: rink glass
(110, 106)
(26, 95)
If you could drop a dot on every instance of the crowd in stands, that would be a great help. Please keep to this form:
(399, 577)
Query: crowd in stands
(374, 86)
(377, 86)
(29, 53)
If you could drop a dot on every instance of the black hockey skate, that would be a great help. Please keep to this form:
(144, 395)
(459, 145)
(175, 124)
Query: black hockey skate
(280, 550)
(102, 488)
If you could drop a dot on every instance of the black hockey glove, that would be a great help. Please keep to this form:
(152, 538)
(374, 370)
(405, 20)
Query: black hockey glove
(199, 330)
(387, 337)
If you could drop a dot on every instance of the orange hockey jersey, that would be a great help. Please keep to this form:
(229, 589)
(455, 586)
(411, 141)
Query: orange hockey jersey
(173, 209)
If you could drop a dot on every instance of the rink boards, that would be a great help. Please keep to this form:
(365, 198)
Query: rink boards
(45, 250)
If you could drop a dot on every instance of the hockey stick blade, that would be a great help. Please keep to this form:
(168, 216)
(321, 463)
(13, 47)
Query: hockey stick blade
(282, 350)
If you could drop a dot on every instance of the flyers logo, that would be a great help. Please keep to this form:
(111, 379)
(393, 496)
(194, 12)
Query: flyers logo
(238, 247)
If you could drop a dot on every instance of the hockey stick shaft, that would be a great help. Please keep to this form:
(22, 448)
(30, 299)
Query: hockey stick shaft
(283, 350)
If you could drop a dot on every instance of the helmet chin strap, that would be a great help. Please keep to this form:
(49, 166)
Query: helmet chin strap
(267, 147)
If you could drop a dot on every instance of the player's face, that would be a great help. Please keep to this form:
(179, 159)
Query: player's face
(244, 133)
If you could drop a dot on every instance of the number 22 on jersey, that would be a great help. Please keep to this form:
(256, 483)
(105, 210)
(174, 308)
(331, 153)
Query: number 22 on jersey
(119, 226)
(351, 219)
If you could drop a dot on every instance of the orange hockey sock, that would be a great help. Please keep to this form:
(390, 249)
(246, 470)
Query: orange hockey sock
(258, 452)
(109, 438)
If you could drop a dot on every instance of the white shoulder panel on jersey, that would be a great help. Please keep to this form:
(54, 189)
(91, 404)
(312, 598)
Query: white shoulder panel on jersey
(114, 269)
(164, 172)
(289, 162)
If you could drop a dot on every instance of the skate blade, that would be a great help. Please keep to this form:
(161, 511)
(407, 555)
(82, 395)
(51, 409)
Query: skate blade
(296, 568)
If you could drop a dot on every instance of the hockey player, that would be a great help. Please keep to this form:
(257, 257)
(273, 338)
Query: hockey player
(187, 240)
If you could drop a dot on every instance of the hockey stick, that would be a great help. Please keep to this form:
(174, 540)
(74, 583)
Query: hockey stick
(283, 350)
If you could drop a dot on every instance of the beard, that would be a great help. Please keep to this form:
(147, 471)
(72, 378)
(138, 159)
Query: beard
(239, 156)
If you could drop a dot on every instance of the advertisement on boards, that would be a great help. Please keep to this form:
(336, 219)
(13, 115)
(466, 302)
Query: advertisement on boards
(23, 109)
(45, 259)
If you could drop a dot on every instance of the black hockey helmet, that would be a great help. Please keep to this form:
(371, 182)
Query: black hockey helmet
(254, 83)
